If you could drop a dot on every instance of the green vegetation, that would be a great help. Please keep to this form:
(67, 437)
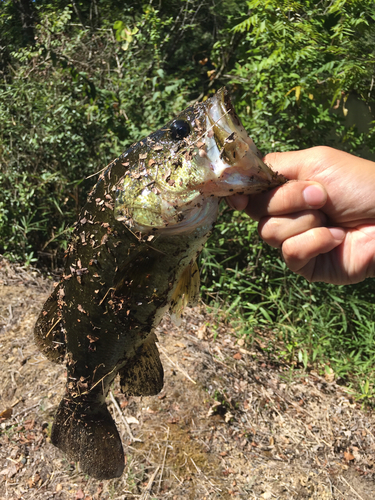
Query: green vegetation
(313, 324)
(80, 81)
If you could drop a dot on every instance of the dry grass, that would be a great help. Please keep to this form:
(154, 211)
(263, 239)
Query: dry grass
(241, 427)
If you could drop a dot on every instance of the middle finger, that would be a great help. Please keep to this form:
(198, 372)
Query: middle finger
(275, 230)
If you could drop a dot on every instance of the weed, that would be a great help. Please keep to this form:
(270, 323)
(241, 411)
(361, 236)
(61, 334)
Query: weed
(313, 325)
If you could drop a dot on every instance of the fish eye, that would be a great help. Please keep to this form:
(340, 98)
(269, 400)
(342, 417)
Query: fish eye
(180, 129)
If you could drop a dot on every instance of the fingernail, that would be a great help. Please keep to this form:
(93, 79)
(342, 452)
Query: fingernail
(228, 199)
(314, 195)
(238, 201)
(337, 233)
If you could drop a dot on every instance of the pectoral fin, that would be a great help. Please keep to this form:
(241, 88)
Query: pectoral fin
(48, 333)
(144, 374)
(185, 293)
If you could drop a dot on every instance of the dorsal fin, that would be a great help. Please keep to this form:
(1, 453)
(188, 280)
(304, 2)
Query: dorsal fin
(48, 333)
(185, 293)
(143, 375)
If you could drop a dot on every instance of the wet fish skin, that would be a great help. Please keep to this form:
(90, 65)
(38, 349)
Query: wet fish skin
(131, 258)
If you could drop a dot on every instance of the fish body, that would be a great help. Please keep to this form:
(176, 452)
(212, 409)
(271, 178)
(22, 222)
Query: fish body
(132, 257)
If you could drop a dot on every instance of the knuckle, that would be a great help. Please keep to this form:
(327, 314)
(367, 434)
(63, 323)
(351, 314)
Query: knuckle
(322, 152)
(268, 229)
(291, 251)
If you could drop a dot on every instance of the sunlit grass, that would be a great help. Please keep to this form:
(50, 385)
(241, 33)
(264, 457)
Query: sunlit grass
(318, 325)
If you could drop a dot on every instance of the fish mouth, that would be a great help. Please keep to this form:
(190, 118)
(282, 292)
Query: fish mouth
(179, 190)
(235, 161)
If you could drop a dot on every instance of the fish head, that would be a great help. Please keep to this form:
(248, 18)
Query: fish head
(178, 174)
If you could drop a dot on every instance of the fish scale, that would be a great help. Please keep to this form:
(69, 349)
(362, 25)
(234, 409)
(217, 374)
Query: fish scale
(131, 258)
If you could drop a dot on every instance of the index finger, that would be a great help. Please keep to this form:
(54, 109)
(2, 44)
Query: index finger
(294, 196)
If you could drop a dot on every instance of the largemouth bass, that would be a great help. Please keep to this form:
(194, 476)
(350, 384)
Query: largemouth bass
(132, 257)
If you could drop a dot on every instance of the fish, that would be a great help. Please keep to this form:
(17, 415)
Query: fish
(133, 257)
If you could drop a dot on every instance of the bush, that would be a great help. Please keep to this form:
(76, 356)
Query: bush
(79, 83)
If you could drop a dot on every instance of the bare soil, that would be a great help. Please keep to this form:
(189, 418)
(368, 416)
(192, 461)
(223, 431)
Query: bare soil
(230, 423)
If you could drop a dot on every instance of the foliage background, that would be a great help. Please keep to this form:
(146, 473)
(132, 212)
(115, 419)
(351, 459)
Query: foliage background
(80, 81)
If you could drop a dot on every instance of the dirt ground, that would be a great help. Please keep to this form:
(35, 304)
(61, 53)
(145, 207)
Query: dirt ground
(230, 423)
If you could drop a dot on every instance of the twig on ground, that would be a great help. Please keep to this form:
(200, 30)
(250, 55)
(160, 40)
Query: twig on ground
(161, 348)
(351, 487)
(26, 410)
(200, 473)
(179, 480)
(16, 402)
(127, 426)
(195, 465)
(162, 466)
(147, 490)
(48, 480)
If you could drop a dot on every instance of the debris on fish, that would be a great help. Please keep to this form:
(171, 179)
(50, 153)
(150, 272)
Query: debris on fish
(132, 257)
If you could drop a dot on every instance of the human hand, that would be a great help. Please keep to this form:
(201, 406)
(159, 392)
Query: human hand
(324, 218)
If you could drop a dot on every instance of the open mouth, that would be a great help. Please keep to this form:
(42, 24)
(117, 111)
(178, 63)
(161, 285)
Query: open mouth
(235, 160)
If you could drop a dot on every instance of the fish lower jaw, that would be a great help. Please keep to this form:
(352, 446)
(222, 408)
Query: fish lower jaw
(228, 185)
(201, 213)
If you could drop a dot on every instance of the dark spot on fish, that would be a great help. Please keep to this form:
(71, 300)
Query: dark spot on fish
(180, 129)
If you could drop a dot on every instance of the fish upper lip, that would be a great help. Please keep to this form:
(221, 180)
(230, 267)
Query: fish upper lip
(235, 161)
